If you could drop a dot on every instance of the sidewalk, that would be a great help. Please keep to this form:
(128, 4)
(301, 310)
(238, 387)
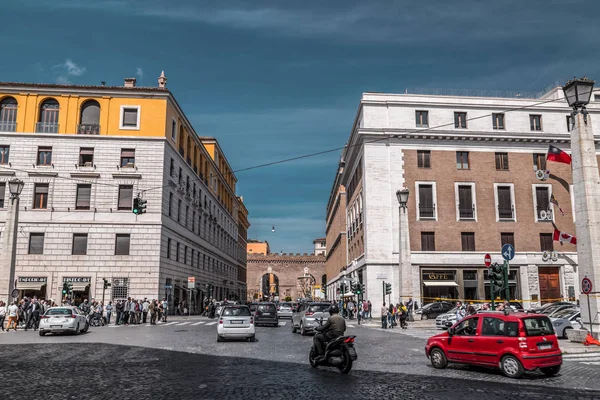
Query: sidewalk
(424, 324)
(569, 347)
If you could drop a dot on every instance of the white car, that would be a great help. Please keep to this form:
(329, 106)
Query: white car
(236, 322)
(63, 319)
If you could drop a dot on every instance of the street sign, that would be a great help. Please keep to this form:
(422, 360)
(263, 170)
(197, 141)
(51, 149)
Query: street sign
(168, 286)
(487, 260)
(508, 252)
(586, 285)
(191, 282)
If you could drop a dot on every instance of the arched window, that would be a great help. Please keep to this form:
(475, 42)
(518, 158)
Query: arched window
(48, 120)
(89, 120)
(8, 114)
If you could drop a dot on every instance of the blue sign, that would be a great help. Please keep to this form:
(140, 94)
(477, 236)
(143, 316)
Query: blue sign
(168, 286)
(508, 252)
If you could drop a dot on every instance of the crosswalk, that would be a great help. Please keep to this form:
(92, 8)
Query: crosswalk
(583, 358)
(193, 323)
(417, 333)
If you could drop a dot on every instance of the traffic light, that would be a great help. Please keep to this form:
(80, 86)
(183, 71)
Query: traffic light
(358, 288)
(496, 275)
(65, 288)
(136, 205)
(388, 288)
(106, 283)
(142, 206)
(352, 287)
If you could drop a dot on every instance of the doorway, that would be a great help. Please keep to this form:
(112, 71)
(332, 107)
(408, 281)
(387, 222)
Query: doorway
(549, 284)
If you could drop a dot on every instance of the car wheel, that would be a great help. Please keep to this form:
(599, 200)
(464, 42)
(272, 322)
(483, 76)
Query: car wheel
(423, 316)
(438, 358)
(564, 335)
(511, 367)
(293, 327)
(551, 371)
(219, 338)
(42, 333)
(86, 328)
(302, 330)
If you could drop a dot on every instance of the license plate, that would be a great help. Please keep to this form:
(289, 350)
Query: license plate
(55, 326)
(266, 313)
(237, 322)
(544, 346)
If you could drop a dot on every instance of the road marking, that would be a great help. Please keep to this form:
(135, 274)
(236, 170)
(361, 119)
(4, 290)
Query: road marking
(591, 363)
(197, 323)
(351, 326)
(581, 356)
(282, 323)
(113, 326)
(211, 323)
(184, 323)
(169, 323)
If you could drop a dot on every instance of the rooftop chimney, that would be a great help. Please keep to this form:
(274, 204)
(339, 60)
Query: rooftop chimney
(162, 80)
(129, 82)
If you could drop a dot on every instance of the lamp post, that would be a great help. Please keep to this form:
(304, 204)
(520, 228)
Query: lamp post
(9, 241)
(404, 267)
(586, 187)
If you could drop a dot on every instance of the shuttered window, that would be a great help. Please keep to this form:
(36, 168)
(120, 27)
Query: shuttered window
(424, 158)
(465, 202)
(84, 195)
(427, 241)
(505, 208)
(426, 206)
(40, 196)
(36, 243)
(542, 199)
(468, 241)
(80, 241)
(501, 161)
(2, 193)
(122, 244)
(507, 238)
(130, 117)
(125, 197)
(127, 157)
(546, 242)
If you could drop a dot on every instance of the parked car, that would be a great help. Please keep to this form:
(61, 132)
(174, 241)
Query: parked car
(236, 322)
(266, 314)
(63, 319)
(516, 306)
(442, 319)
(432, 310)
(551, 310)
(253, 307)
(564, 320)
(513, 342)
(285, 310)
(304, 320)
(539, 310)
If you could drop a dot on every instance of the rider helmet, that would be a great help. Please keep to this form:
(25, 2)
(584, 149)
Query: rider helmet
(334, 309)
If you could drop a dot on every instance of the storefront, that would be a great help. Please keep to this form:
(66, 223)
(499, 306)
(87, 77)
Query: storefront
(80, 287)
(31, 286)
(439, 284)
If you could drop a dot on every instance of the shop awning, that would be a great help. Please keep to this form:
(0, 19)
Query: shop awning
(30, 285)
(79, 286)
(440, 283)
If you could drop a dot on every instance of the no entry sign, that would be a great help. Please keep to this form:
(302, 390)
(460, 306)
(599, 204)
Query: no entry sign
(487, 260)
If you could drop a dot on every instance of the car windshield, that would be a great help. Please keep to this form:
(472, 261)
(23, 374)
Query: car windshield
(59, 311)
(286, 305)
(566, 313)
(266, 307)
(319, 307)
(538, 326)
(551, 310)
(236, 312)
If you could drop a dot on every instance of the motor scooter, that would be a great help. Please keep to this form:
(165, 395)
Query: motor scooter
(339, 352)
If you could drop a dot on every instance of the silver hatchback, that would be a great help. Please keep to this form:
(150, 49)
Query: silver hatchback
(304, 320)
(284, 310)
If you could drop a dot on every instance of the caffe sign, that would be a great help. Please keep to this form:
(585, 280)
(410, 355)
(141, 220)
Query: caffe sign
(33, 279)
(438, 275)
(77, 280)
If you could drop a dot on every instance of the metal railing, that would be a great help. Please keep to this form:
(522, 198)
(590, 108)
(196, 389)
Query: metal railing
(6, 126)
(426, 212)
(88, 129)
(466, 213)
(505, 213)
(46, 127)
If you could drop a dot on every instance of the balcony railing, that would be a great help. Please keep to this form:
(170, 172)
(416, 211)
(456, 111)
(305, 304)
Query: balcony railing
(505, 213)
(46, 127)
(426, 212)
(88, 129)
(544, 214)
(6, 126)
(466, 212)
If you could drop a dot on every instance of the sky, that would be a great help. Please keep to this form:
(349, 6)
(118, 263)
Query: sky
(278, 79)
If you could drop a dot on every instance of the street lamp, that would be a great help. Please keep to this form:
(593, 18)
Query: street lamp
(586, 189)
(9, 242)
(404, 266)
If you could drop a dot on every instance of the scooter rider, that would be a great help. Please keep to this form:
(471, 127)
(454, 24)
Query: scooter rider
(333, 328)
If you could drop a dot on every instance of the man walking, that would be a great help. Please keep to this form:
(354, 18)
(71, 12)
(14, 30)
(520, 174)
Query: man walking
(145, 306)
(384, 316)
(13, 315)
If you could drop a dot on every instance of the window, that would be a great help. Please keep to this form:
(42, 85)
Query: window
(86, 156)
(460, 120)
(83, 197)
(2, 193)
(535, 122)
(4, 153)
(466, 206)
(80, 244)
(36, 243)
(169, 248)
(185, 253)
(170, 204)
(467, 327)
(462, 160)
(128, 158)
(498, 121)
(569, 123)
(507, 238)
(185, 221)
(180, 176)
(174, 130)
(424, 158)
(40, 196)
(597, 97)
(177, 252)
(130, 117)
(172, 167)
(504, 199)
(122, 241)
(125, 197)
(502, 161)
(89, 120)
(44, 156)
(8, 114)
(120, 288)
(425, 201)
(539, 162)
(538, 326)
(422, 119)
(427, 241)
(546, 242)
(542, 203)
(492, 327)
(178, 210)
(48, 118)
(468, 241)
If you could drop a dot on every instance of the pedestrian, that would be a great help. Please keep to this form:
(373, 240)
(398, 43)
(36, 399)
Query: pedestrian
(109, 309)
(145, 306)
(370, 309)
(460, 311)
(13, 315)
(2, 314)
(152, 310)
(119, 308)
(384, 316)
(410, 308)
(165, 309)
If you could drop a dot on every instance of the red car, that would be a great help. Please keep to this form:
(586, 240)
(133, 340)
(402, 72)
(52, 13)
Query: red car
(513, 342)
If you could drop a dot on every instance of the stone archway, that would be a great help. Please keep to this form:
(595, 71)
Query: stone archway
(269, 285)
(306, 282)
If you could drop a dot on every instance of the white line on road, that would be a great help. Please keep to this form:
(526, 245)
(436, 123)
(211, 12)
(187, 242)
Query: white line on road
(184, 323)
(591, 363)
(351, 326)
(197, 323)
(170, 323)
(581, 356)
(282, 323)
(211, 323)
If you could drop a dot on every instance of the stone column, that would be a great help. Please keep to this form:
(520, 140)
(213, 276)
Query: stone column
(586, 187)
(404, 268)
(9, 250)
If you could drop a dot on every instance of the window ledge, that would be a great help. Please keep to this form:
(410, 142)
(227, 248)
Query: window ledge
(85, 174)
(42, 173)
(127, 175)
(5, 172)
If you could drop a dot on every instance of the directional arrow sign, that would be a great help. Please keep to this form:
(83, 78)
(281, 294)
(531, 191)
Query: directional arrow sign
(508, 252)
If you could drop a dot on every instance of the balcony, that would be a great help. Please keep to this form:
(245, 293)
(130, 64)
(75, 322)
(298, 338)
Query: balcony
(426, 212)
(7, 126)
(88, 129)
(46, 127)
(466, 213)
(188, 160)
(506, 213)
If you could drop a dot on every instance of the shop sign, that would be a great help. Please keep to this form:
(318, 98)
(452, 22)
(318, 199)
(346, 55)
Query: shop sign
(77, 280)
(438, 275)
(33, 279)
